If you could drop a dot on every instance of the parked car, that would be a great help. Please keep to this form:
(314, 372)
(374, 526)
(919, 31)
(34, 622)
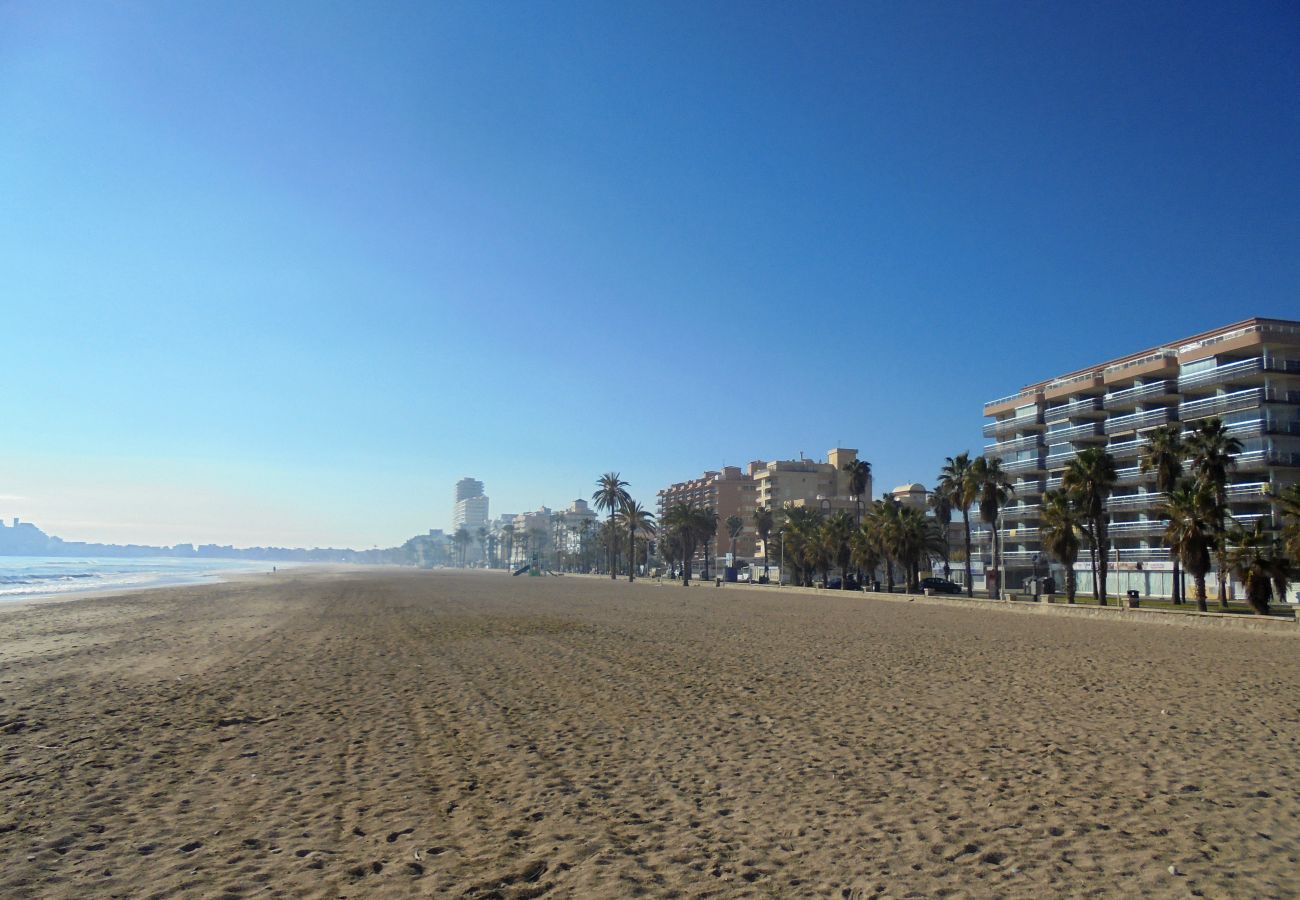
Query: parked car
(835, 584)
(941, 586)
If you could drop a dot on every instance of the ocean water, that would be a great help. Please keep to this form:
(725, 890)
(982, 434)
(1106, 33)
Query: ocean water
(23, 577)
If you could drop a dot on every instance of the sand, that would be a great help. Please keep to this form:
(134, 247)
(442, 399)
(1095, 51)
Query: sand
(403, 734)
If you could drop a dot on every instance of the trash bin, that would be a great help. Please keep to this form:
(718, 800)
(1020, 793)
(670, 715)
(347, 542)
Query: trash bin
(1133, 600)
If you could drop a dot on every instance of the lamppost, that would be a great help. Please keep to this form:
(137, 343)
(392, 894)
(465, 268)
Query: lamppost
(780, 578)
(1038, 583)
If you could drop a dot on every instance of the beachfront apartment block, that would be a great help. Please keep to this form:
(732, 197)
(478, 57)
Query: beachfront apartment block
(1246, 373)
(728, 492)
(470, 509)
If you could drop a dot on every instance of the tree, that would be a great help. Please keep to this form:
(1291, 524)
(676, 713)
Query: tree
(635, 517)
(958, 485)
(507, 540)
(1089, 478)
(706, 521)
(859, 472)
(1163, 455)
(1251, 559)
(763, 523)
(801, 542)
(1059, 523)
(1288, 506)
(865, 549)
(686, 524)
(916, 539)
(1190, 509)
(836, 535)
(992, 491)
(941, 503)
(735, 526)
(462, 540)
(482, 533)
(881, 526)
(610, 495)
(1211, 451)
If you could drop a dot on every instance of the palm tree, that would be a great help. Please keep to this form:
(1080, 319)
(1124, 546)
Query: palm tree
(859, 472)
(706, 522)
(1288, 505)
(956, 483)
(482, 533)
(1163, 455)
(1251, 560)
(611, 494)
(462, 540)
(916, 539)
(993, 490)
(763, 523)
(1190, 508)
(800, 541)
(508, 544)
(836, 534)
(1059, 523)
(865, 549)
(941, 503)
(1089, 478)
(635, 517)
(881, 525)
(735, 527)
(1212, 450)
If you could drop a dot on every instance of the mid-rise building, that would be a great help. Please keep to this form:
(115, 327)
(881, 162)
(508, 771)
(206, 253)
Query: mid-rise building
(729, 492)
(470, 509)
(1247, 374)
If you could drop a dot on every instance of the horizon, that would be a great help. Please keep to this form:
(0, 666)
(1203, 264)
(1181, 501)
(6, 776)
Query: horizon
(280, 275)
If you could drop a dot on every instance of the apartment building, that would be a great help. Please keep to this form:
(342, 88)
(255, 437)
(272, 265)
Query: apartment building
(1247, 374)
(729, 492)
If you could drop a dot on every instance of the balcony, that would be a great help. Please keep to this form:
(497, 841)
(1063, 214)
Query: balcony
(1148, 419)
(1135, 501)
(1020, 533)
(1023, 511)
(1131, 397)
(1033, 421)
(1054, 484)
(1058, 460)
(1126, 449)
(1237, 400)
(1023, 465)
(1028, 442)
(1224, 374)
(1025, 397)
(1249, 490)
(1084, 407)
(1086, 431)
(1135, 529)
(1024, 557)
(1165, 355)
(1132, 475)
(1262, 328)
(1139, 554)
(1027, 487)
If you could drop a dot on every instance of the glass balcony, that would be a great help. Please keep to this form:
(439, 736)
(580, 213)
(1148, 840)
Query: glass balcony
(1135, 501)
(1054, 484)
(1083, 407)
(1217, 406)
(1130, 529)
(1126, 449)
(1130, 397)
(1148, 419)
(1014, 423)
(1028, 396)
(1023, 465)
(1023, 557)
(1028, 442)
(1019, 534)
(1023, 511)
(1075, 433)
(1249, 490)
(1131, 475)
(1138, 554)
(1224, 374)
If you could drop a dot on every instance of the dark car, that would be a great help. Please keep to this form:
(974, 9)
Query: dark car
(941, 585)
(835, 584)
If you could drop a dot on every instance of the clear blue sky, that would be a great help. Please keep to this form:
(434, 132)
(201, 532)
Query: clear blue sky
(283, 272)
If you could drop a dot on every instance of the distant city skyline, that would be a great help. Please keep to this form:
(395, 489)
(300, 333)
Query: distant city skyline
(281, 274)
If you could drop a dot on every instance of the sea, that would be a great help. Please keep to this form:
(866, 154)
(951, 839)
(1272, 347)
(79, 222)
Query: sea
(25, 577)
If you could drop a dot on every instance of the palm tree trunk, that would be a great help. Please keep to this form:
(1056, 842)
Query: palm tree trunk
(1222, 576)
(1200, 592)
(889, 573)
(1102, 560)
(1178, 588)
(970, 584)
(609, 555)
(631, 562)
(1070, 583)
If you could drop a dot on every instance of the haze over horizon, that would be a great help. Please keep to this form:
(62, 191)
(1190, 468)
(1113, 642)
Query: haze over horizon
(280, 274)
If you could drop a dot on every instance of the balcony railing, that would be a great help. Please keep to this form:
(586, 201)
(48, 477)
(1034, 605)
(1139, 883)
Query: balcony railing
(1073, 408)
(1021, 443)
(1163, 353)
(1029, 395)
(1054, 484)
(1131, 475)
(1023, 465)
(1126, 449)
(1135, 501)
(1020, 534)
(1014, 423)
(1023, 511)
(1249, 490)
(1140, 392)
(1221, 374)
(1128, 529)
(1022, 556)
(1139, 420)
(1082, 378)
(1141, 554)
(1028, 487)
(1265, 328)
(1250, 398)
(1074, 433)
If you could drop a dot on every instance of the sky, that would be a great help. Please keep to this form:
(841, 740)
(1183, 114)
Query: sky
(281, 273)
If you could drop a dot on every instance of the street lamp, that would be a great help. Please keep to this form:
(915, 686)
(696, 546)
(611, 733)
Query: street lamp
(780, 578)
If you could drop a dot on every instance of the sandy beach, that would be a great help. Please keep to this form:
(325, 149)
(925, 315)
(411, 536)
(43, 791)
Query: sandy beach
(393, 733)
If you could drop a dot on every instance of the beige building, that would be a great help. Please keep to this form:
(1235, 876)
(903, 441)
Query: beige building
(781, 482)
(729, 492)
(1247, 374)
(914, 495)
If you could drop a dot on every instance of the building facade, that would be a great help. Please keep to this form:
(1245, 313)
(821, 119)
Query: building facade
(470, 508)
(729, 492)
(1247, 374)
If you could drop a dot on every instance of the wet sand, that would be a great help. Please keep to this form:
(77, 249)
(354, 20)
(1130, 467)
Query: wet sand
(402, 734)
